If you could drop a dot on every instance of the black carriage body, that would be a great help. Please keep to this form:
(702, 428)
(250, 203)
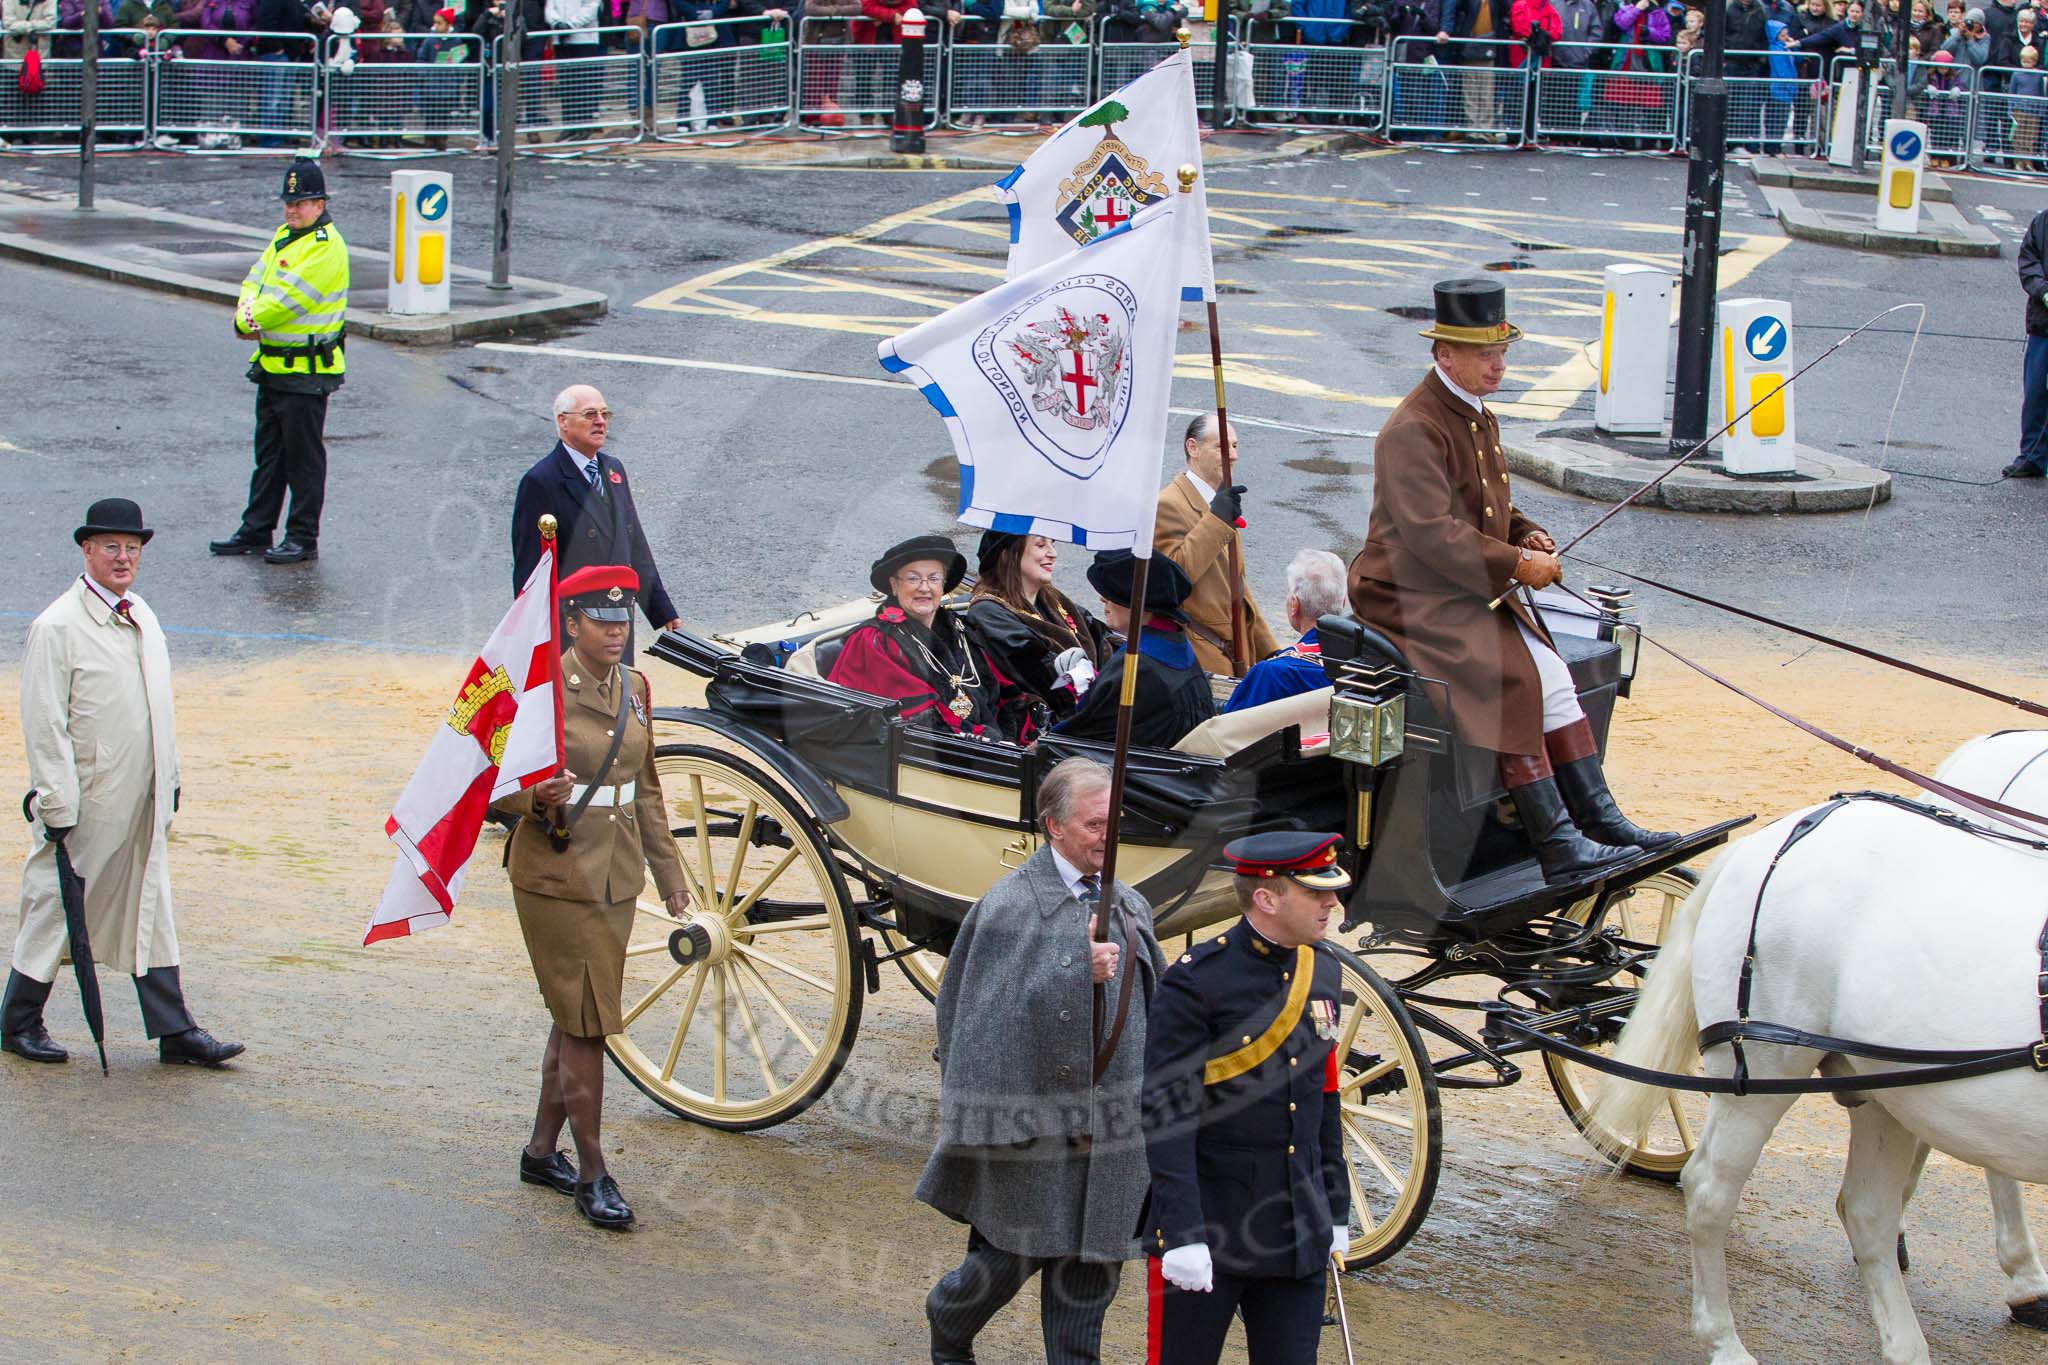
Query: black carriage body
(1439, 856)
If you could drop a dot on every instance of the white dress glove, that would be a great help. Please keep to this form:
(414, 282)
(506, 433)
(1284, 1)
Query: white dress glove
(1340, 1241)
(1072, 669)
(1189, 1268)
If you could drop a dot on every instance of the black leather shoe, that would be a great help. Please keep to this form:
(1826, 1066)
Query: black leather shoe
(1584, 788)
(292, 552)
(2020, 469)
(239, 544)
(552, 1170)
(195, 1047)
(35, 1044)
(1561, 850)
(599, 1200)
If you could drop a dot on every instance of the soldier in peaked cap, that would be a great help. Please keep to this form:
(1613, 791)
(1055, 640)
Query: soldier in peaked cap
(1444, 539)
(1250, 1197)
(585, 841)
(293, 304)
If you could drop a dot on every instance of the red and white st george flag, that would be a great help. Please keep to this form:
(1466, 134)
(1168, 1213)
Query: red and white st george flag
(503, 734)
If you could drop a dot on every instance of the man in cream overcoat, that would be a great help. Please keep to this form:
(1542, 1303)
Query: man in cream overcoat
(103, 761)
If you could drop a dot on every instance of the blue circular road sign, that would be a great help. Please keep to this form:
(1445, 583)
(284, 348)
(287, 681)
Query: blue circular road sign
(432, 202)
(1765, 339)
(1905, 145)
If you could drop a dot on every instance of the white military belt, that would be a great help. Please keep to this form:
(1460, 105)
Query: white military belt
(620, 794)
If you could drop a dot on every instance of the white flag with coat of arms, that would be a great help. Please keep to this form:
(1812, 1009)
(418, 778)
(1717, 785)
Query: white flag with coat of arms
(1054, 386)
(1107, 165)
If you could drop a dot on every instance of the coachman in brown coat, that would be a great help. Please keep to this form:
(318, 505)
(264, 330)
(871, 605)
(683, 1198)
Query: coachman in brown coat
(576, 891)
(1445, 539)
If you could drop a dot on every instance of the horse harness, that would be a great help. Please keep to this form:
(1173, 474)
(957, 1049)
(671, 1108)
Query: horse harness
(1935, 1065)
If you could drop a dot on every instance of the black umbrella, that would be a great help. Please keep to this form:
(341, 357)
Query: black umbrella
(71, 891)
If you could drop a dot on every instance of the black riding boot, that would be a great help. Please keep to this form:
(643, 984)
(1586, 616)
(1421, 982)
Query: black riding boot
(1561, 850)
(21, 1020)
(1584, 788)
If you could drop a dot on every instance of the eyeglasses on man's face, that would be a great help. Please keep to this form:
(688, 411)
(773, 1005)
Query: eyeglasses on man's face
(119, 549)
(593, 414)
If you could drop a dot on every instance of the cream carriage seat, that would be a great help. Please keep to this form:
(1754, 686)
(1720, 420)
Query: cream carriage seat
(1222, 736)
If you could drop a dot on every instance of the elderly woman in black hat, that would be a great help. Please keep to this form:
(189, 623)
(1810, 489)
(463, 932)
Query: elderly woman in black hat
(1034, 633)
(1173, 695)
(917, 649)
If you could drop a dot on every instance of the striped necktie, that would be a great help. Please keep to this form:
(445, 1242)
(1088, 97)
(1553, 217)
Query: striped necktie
(590, 472)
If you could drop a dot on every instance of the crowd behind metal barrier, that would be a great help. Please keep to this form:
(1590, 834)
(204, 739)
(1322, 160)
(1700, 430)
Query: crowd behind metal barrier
(412, 79)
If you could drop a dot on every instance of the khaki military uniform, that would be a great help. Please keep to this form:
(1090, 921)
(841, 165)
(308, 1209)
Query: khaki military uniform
(576, 906)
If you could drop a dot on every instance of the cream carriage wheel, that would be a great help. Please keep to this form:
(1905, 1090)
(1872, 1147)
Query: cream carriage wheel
(921, 968)
(1393, 1123)
(740, 1015)
(1639, 914)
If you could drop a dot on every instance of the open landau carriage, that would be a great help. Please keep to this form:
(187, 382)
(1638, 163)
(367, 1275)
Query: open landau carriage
(825, 838)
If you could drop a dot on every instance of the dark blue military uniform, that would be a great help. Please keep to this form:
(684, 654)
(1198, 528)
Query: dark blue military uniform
(1246, 1144)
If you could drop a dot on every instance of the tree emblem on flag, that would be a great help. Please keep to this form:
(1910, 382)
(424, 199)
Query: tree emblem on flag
(1061, 362)
(1109, 185)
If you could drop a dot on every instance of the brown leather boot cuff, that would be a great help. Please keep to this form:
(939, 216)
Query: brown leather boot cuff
(1519, 770)
(1570, 743)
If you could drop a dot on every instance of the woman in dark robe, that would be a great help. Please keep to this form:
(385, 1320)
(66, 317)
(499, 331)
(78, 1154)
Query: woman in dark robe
(1028, 626)
(918, 650)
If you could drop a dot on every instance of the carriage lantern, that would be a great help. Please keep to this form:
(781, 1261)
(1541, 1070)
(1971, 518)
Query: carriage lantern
(1616, 606)
(1369, 714)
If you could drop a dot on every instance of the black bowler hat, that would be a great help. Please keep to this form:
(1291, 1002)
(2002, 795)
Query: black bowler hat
(600, 592)
(303, 179)
(112, 516)
(912, 550)
(1166, 584)
(1472, 313)
(1310, 859)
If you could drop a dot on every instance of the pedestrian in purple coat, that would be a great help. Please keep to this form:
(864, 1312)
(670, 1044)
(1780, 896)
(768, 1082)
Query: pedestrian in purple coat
(222, 17)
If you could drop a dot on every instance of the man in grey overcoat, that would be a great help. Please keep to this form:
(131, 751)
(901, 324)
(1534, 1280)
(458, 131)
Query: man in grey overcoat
(1041, 1159)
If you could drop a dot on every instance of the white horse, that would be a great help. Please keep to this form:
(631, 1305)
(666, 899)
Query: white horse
(1880, 926)
(2011, 768)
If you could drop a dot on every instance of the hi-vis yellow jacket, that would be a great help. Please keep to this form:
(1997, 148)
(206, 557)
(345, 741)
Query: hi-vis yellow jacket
(295, 299)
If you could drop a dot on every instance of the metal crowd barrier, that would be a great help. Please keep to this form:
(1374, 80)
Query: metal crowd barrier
(406, 85)
(1439, 92)
(1948, 108)
(1049, 84)
(58, 109)
(246, 104)
(852, 81)
(2010, 129)
(1601, 104)
(1118, 64)
(584, 94)
(1308, 84)
(729, 74)
(1770, 113)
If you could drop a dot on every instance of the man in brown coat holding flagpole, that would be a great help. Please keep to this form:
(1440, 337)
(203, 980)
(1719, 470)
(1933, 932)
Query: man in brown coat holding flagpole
(1445, 539)
(1196, 526)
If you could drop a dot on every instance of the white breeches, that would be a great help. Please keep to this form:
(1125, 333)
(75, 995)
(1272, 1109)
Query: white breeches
(1560, 695)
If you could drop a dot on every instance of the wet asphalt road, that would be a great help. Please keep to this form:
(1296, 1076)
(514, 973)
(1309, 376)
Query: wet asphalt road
(766, 494)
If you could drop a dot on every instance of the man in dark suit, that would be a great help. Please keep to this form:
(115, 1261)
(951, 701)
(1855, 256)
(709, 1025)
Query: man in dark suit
(591, 499)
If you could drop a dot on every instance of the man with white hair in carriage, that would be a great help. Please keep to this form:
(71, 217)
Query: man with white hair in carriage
(1315, 589)
(1444, 540)
(1040, 1148)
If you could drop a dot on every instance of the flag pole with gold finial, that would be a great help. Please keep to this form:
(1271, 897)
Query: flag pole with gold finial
(1239, 644)
(558, 833)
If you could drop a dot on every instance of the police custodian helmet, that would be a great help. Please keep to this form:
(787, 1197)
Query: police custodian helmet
(303, 179)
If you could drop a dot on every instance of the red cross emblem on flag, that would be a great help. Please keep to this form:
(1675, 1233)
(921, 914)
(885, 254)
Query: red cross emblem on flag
(1108, 208)
(1078, 374)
